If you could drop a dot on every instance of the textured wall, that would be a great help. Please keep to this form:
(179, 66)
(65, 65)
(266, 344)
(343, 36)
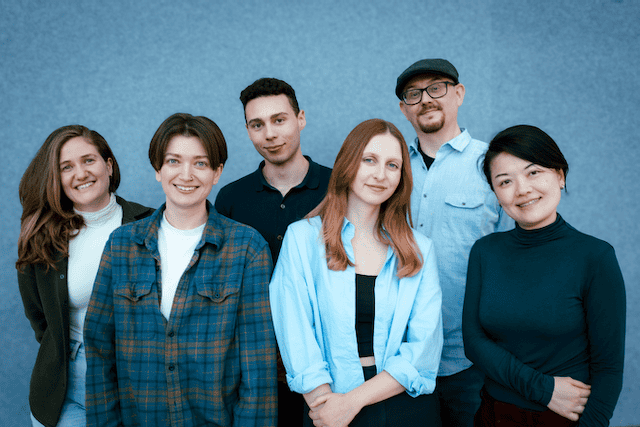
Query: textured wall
(121, 67)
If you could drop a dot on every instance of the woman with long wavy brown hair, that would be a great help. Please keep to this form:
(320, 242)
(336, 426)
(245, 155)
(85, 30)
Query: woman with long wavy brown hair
(355, 296)
(69, 208)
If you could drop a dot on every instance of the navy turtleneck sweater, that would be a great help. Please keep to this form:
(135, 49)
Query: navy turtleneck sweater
(544, 303)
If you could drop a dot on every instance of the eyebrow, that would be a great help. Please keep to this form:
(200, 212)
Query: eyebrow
(273, 116)
(391, 159)
(505, 174)
(439, 79)
(81, 157)
(179, 156)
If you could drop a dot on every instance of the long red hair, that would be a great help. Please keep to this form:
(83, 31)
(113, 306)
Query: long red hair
(394, 221)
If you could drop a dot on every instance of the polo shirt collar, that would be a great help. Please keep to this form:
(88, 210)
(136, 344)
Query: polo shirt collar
(311, 179)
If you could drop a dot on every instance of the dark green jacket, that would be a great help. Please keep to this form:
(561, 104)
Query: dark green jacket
(46, 304)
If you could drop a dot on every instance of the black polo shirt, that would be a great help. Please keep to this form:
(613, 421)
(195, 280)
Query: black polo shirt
(252, 201)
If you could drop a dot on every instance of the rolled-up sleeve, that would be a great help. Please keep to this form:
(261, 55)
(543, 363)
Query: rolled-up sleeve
(415, 365)
(291, 297)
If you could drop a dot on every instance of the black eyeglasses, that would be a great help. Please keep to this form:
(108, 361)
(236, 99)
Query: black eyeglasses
(435, 91)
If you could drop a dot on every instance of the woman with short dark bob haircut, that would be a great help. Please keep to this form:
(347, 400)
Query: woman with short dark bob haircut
(69, 208)
(355, 296)
(544, 310)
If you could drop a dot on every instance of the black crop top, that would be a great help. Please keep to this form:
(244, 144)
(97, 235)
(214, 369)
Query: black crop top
(365, 313)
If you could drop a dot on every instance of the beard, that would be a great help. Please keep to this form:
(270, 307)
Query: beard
(433, 126)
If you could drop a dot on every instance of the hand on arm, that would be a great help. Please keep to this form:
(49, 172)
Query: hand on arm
(337, 410)
(569, 397)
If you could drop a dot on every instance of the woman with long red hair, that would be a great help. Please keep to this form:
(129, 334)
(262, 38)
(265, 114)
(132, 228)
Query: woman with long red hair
(355, 296)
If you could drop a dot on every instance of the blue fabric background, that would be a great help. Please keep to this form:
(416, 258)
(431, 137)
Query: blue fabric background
(121, 67)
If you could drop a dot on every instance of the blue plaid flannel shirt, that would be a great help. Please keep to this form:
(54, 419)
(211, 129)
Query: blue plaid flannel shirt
(212, 363)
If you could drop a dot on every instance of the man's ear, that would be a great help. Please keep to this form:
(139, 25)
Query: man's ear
(302, 120)
(460, 91)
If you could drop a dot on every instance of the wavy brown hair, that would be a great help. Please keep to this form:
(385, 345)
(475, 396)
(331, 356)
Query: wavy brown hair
(394, 221)
(48, 221)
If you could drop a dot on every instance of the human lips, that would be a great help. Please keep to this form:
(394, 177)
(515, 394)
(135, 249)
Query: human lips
(273, 148)
(185, 188)
(528, 203)
(375, 187)
(85, 185)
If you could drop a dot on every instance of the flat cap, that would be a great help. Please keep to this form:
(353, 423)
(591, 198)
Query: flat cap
(426, 66)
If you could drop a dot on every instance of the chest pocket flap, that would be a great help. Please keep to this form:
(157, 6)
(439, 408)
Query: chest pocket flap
(133, 290)
(464, 201)
(217, 291)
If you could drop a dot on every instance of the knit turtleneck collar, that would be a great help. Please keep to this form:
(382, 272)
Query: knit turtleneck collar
(540, 235)
(101, 217)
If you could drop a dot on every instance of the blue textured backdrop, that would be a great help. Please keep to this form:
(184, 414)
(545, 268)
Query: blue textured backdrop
(121, 67)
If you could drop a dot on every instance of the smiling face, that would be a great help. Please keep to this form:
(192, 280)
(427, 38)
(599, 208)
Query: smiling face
(274, 128)
(379, 172)
(527, 192)
(84, 175)
(434, 115)
(186, 174)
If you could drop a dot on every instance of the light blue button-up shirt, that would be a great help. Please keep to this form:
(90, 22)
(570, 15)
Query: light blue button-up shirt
(314, 308)
(452, 204)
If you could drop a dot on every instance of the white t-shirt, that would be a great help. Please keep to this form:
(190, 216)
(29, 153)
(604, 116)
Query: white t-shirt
(176, 249)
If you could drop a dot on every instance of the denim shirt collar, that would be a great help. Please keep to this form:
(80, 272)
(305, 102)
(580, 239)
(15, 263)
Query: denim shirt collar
(459, 143)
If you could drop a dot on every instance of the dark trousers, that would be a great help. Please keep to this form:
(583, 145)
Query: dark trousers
(290, 407)
(459, 397)
(397, 411)
(492, 413)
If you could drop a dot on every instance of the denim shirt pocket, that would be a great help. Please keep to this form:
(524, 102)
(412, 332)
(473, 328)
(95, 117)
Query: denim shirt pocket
(217, 291)
(133, 291)
(464, 218)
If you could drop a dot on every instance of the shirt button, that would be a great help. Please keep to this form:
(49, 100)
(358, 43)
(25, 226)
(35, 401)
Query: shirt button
(464, 204)
(282, 206)
(424, 195)
(421, 225)
(172, 367)
(279, 237)
(62, 276)
(171, 334)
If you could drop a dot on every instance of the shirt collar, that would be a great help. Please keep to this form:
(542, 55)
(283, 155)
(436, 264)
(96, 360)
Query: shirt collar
(311, 179)
(146, 232)
(348, 232)
(459, 143)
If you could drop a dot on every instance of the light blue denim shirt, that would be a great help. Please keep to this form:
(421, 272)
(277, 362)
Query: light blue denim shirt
(454, 206)
(314, 308)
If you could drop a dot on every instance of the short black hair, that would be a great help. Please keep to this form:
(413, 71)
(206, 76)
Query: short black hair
(528, 143)
(268, 86)
(187, 125)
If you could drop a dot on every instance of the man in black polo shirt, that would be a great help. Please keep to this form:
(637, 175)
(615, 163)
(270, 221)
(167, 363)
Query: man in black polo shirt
(285, 187)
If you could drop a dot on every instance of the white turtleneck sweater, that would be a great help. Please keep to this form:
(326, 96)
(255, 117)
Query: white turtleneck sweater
(85, 251)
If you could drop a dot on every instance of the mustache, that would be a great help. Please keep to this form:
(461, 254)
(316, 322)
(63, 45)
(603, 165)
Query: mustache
(429, 107)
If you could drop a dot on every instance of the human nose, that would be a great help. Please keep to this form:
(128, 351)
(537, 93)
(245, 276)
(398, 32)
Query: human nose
(522, 186)
(425, 98)
(379, 172)
(185, 172)
(269, 131)
(81, 172)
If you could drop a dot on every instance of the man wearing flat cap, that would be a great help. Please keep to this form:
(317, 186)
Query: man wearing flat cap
(453, 205)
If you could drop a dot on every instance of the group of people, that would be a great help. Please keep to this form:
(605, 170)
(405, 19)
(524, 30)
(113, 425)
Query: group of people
(425, 282)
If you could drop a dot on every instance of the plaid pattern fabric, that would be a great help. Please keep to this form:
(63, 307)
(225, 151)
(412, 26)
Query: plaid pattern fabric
(212, 363)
